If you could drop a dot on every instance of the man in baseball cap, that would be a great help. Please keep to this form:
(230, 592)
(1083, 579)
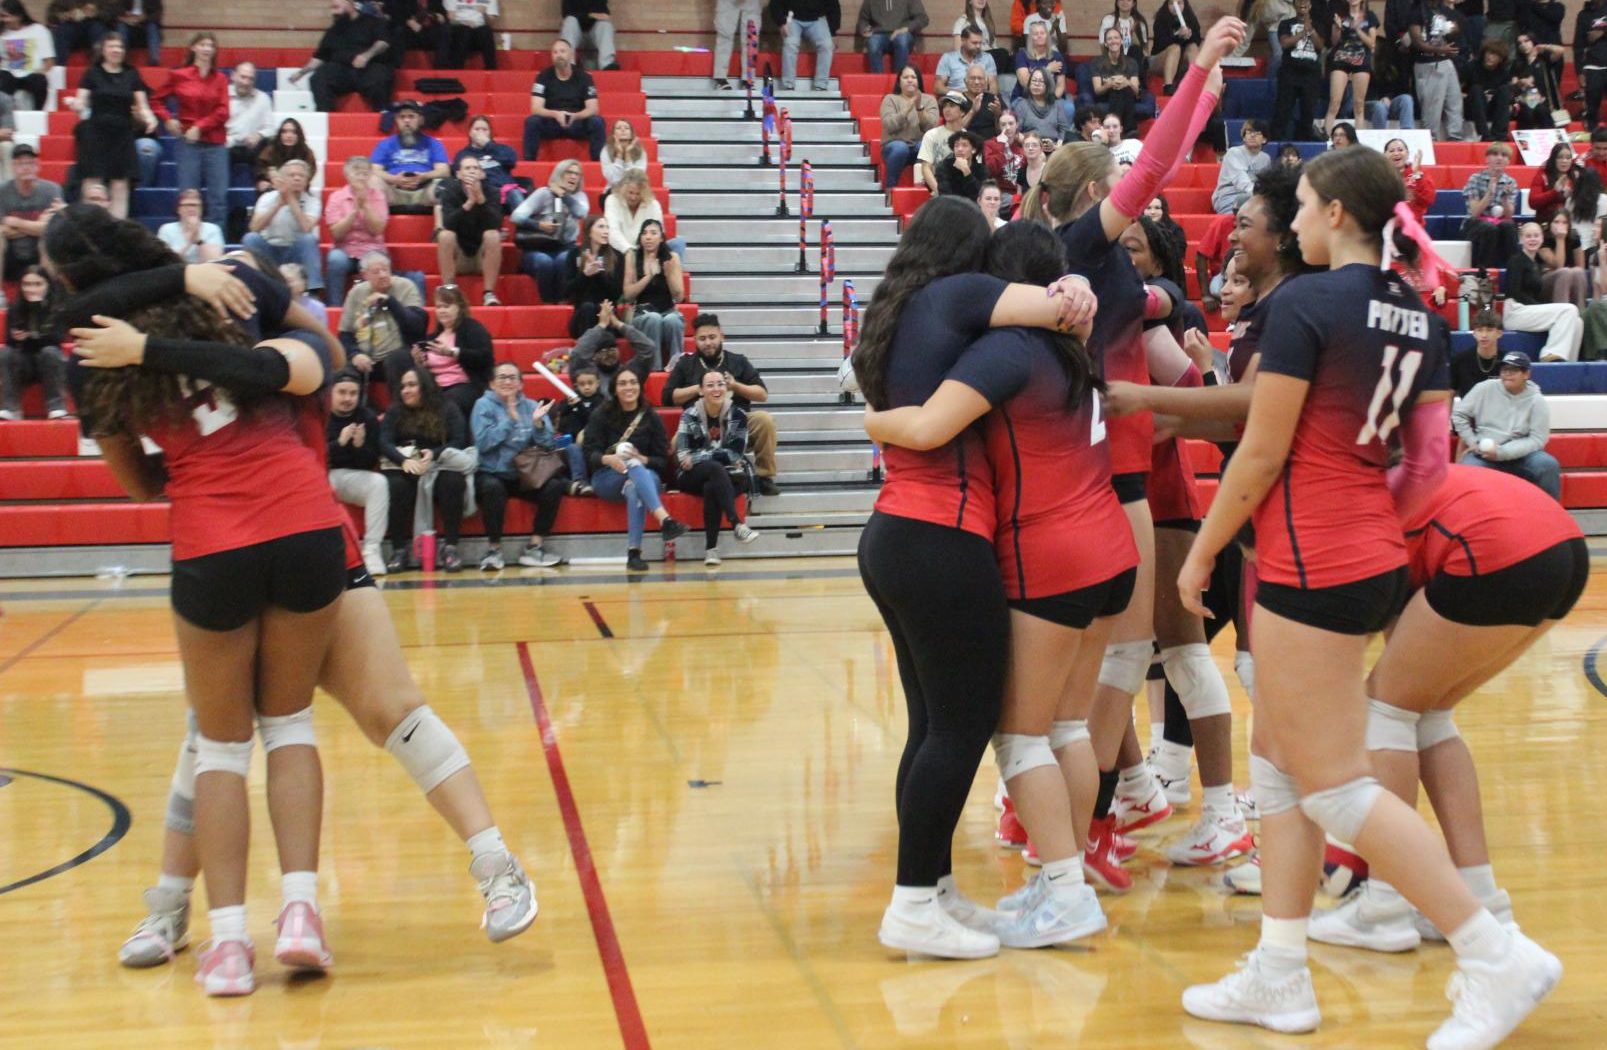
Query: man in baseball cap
(952, 107)
(1505, 423)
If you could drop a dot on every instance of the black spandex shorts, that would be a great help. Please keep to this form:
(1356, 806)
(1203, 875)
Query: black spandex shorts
(1181, 524)
(1077, 609)
(225, 591)
(1539, 588)
(1129, 488)
(1362, 607)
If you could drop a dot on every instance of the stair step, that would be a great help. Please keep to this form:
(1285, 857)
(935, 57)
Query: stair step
(778, 259)
(725, 107)
(692, 205)
(751, 131)
(806, 499)
(702, 87)
(827, 459)
(816, 153)
(779, 321)
(779, 230)
(766, 288)
(714, 179)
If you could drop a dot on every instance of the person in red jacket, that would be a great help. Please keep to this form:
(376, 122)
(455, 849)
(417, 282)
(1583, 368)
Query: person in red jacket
(197, 105)
(1552, 184)
(1420, 188)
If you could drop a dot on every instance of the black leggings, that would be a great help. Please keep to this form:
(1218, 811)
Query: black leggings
(494, 490)
(1223, 600)
(450, 487)
(709, 480)
(938, 590)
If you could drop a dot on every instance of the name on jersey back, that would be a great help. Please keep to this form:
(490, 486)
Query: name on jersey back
(1397, 320)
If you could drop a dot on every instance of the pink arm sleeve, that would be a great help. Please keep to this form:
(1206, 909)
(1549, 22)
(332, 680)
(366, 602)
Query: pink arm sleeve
(1425, 458)
(1162, 147)
(1202, 113)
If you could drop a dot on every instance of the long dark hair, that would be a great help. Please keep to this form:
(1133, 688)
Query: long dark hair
(1550, 170)
(1027, 253)
(948, 235)
(663, 253)
(611, 416)
(274, 153)
(1163, 249)
(428, 420)
(15, 8)
(1585, 204)
(1140, 23)
(920, 79)
(35, 317)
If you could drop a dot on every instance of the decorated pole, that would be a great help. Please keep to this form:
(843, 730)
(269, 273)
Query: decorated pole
(786, 155)
(806, 211)
(767, 126)
(850, 317)
(828, 270)
(750, 63)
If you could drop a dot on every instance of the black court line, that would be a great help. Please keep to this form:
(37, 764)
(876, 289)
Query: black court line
(47, 636)
(121, 822)
(1593, 665)
(597, 618)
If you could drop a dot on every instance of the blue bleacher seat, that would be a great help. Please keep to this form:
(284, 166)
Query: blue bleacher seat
(1449, 202)
(1528, 342)
(1571, 377)
(1248, 97)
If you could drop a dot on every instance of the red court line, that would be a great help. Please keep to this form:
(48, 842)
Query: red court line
(631, 1028)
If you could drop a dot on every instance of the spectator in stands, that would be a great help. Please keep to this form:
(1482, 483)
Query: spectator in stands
(1038, 111)
(1159, 212)
(352, 56)
(380, 319)
(356, 214)
(26, 204)
(989, 198)
(1472, 367)
(410, 163)
(1596, 159)
(563, 104)
(459, 353)
(1490, 91)
(416, 25)
(32, 351)
(952, 108)
(1492, 201)
(351, 435)
(1118, 79)
(1129, 21)
(1562, 264)
(731, 21)
(983, 115)
(296, 280)
(1342, 135)
(1534, 81)
(1235, 180)
(197, 102)
(1053, 16)
(1040, 54)
(1501, 21)
(655, 284)
(907, 114)
(1436, 33)
(743, 383)
(118, 104)
(960, 174)
(547, 229)
(710, 444)
(1505, 424)
(890, 27)
(819, 20)
(284, 223)
(1586, 206)
(1526, 308)
(1005, 156)
(470, 220)
(1552, 184)
(595, 278)
(27, 54)
(573, 415)
(979, 14)
(1033, 149)
(95, 193)
(1125, 149)
(505, 422)
(1300, 75)
(497, 161)
(588, 22)
(470, 26)
(1289, 156)
(1420, 188)
(598, 348)
(1177, 39)
(76, 24)
(951, 68)
(630, 205)
(191, 238)
(622, 152)
(289, 144)
(143, 18)
(628, 451)
(1351, 40)
(416, 433)
(250, 116)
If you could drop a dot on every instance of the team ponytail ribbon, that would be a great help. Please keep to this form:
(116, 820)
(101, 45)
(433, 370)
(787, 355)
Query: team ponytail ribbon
(1429, 261)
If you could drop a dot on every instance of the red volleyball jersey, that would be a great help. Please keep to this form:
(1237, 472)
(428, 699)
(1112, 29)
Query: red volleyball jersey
(1482, 521)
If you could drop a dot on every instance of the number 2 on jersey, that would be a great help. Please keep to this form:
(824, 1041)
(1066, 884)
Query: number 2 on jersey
(210, 409)
(1096, 429)
(1388, 395)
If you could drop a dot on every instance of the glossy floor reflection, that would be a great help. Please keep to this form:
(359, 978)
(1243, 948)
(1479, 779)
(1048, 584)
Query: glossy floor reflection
(731, 751)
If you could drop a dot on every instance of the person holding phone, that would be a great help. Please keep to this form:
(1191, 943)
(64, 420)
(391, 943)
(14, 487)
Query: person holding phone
(458, 353)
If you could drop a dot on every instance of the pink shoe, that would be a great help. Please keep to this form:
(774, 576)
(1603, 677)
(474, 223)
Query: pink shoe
(225, 968)
(301, 938)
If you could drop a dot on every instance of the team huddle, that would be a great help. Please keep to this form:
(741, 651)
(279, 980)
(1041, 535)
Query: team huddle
(1031, 388)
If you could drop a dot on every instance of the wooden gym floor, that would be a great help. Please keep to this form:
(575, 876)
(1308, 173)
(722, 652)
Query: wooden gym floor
(698, 771)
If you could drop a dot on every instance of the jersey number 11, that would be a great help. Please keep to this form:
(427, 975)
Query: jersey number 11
(1388, 395)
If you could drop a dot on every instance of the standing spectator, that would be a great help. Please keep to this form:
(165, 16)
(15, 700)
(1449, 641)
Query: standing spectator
(250, 116)
(459, 353)
(470, 26)
(198, 117)
(563, 104)
(1562, 264)
(410, 162)
(630, 205)
(989, 199)
(598, 348)
(470, 220)
(1005, 156)
(819, 20)
(1129, 21)
(594, 279)
(115, 97)
(76, 24)
(380, 319)
(191, 238)
(143, 18)
(588, 22)
(1038, 111)
(351, 434)
(1118, 79)
(1526, 308)
(1490, 91)
(656, 285)
(288, 144)
(26, 203)
(621, 153)
(547, 229)
(32, 351)
(1534, 82)
(1501, 21)
(296, 280)
(907, 114)
(352, 56)
(284, 223)
(1240, 165)
(1505, 424)
(1420, 188)
(1300, 75)
(627, 452)
(416, 25)
(1040, 54)
(1177, 39)
(731, 21)
(27, 54)
(1350, 58)
(951, 68)
(497, 161)
(1473, 366)
(356, 214)
(1492, 200)
(889, 26)
(960, 174)
(710, 443)
(1436, 34)
(983, 106)
(415, 433)
(504, 423)
(743, 384)
(1552, 184)
(1590, 55)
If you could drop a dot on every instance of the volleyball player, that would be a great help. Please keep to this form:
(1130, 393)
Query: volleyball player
(1355, 364)
(1496, 563)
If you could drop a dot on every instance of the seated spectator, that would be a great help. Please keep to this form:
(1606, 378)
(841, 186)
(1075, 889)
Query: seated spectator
(27, 54)
(416, 25)
(627, 452)
(563, 104)
(76, 24)
(415, 436)
(1343, 135)
(1052, 16)
(982, 114)
(892, 28)
(410, 163)
(26, 204)
(598, 348)
(934, 148)
(1038, 111)
(1289, 157)
(382, 317)
(1492, 201)
(710, 445)
(32, 351)
(352, 436)
(654, 285)
(505, 423)
(1299, 76)
(95, 193)
(630, 205)
(459, 353)
(1176, 39)
(1504, 423)
(595, 276)
(143, 19)
(356, 214)
(470, 26)
(1039, 53)
(1130, 23)
(960, 174)
(547, 229)
(296, 279)
(588, 22)
(497, 161)
(989, 198)
(1534, 82)
(952, 67)
(113, 106)
(1125, 149)
(1005, 156)
(1472, 367)
(191, 238)
(284, 223)
(1118, 79)
(1490, 91)
(352, 56)
(470, 221)
(907, 114)
(197, 101)
(622, 152)
(1552, 184)
(1159, 211)
(1235, 180)
(743, 384)
(573, 415)
(1086, 123)
(1562, 264)
(1035, 149)
(250, 117)
(819, 20)
(288, 144)
(1526, 308)
(1436, 42)
(1420, 188)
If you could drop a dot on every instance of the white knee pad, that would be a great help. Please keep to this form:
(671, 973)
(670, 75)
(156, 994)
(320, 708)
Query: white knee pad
(1017, 752)
(1435, 727)
(181, 793)
(426, 748)
(1342, 811)
(1244, 667)
(287, 731)
(1275, 790)
(1125, 664)
(223, 756)
(1199, 684)
(1390, 728)
(1064, 734)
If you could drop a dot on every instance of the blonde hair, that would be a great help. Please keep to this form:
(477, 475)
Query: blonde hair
(1062, 189)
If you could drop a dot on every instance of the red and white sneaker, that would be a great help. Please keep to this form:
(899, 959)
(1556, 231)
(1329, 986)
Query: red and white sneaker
(1125, 848)
(225, 968)
(1099, 861)
(1134, 812)
(1213, 839)
(301, 938)
(1246, 878)
(1010, 833)
(1029, 853)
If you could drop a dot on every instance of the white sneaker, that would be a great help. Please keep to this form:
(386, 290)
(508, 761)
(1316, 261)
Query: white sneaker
(927, 929)
(1214, 838)
(510, 895)
(8, 416)
(535, 558)
(1246, 878)
(963, 909)
(1023, 898)
(1140, 807)
(1171, 774)
(56, 413)
(1251, 996)
(1365, 920)
(1057, 916)
(1247, 807)
(161, 934)
(1498, 904)
(374, 561)
(88, 446)
(1489, 1001)
(743, 533)
(711, 557)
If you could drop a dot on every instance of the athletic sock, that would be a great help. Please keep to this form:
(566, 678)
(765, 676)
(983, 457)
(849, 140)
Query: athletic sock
(1107, 793)
(1063, 873)
(1157, 735)
(1482, 937)
(487, 841)
(1134, 776)
(1219, 800)
(910, 898)
(300, 886)
(1480, 881)
(1381, 892)
(1244, 667)
(175, 883)
(228, 924)
(1283, 945)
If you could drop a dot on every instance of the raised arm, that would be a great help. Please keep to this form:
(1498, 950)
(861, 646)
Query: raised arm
(945, 414)
(288, 366)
